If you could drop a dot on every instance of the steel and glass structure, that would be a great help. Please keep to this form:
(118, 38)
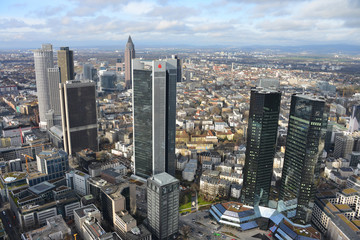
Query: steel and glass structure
(261, 146)
(163, 205)
(304, 145)
(43, 59)
(66, 64)
(154, 114)
(79, 116)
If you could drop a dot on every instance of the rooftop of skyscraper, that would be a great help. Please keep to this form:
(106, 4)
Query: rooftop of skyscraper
(164, 178)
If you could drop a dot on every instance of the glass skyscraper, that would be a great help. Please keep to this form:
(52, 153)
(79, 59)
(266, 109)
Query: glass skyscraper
(261, 146)
(66, 64)
(304, 145)
(43, 59)
(154, 112)
(79, 116)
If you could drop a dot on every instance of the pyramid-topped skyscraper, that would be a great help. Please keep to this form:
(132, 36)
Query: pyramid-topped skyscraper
(129, 55)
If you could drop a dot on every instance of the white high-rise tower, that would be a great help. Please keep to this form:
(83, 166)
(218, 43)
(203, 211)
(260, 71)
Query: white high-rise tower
(43, 59)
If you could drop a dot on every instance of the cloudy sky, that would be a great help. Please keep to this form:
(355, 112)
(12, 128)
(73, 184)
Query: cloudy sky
(27, 23)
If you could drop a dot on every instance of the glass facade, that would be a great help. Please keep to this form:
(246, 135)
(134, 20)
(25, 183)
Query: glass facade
(142, 115)
(79, 116)
(66, 64)
(154, 112)
(261, 145)
(305, 143)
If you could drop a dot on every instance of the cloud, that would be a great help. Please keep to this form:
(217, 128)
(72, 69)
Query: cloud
(244, 22)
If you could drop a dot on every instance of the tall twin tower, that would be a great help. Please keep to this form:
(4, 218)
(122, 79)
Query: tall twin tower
(154, 111)
(304, 145)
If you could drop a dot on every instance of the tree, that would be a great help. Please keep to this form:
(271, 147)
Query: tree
(186, 231)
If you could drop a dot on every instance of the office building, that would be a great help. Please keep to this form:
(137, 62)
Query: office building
(88, 224)
(261, 146)
(154, 108)
(77, 180)
(54, 80)
(343, 146)
(154, 113)
(354, 124)
(66, 64)
(53, 162)
(163, 205)
(129, 55)
(87, 72)
(116, 198)
(43, 59)
(79, 116)
(304, 146)
(55, 229)
(107, 80)
(269, 83)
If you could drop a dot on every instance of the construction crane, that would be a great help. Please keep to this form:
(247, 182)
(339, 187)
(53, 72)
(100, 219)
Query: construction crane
(26, 161)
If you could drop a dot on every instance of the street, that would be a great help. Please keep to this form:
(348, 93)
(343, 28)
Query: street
(10, 224)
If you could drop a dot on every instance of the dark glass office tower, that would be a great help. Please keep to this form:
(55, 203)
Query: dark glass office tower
(142, 115)
(261, 146)
(78, 114)
(304, 145)
(66, 64)
(154, 114)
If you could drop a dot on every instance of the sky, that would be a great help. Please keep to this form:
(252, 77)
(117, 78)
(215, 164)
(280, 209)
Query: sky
(235, 23)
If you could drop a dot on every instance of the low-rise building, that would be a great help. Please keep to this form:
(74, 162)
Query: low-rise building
(55, 229)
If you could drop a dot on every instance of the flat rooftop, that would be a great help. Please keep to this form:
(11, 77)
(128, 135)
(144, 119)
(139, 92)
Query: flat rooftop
(54, 225)
(88, 208)
(41, 187)
(164, 179)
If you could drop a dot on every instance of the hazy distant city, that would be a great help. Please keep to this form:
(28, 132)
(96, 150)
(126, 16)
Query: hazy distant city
(180, 120)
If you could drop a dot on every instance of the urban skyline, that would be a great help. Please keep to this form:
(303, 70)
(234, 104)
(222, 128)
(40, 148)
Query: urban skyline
(180, 143)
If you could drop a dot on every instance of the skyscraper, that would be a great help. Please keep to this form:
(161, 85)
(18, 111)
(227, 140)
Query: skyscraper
(66, 64)
(304, 145)
(343, 146)
(154, 112)
(43, 59)
(129, 55)
(78, 114)
(54, 81)
(163, 205)
(354, 124)
(261, 146)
